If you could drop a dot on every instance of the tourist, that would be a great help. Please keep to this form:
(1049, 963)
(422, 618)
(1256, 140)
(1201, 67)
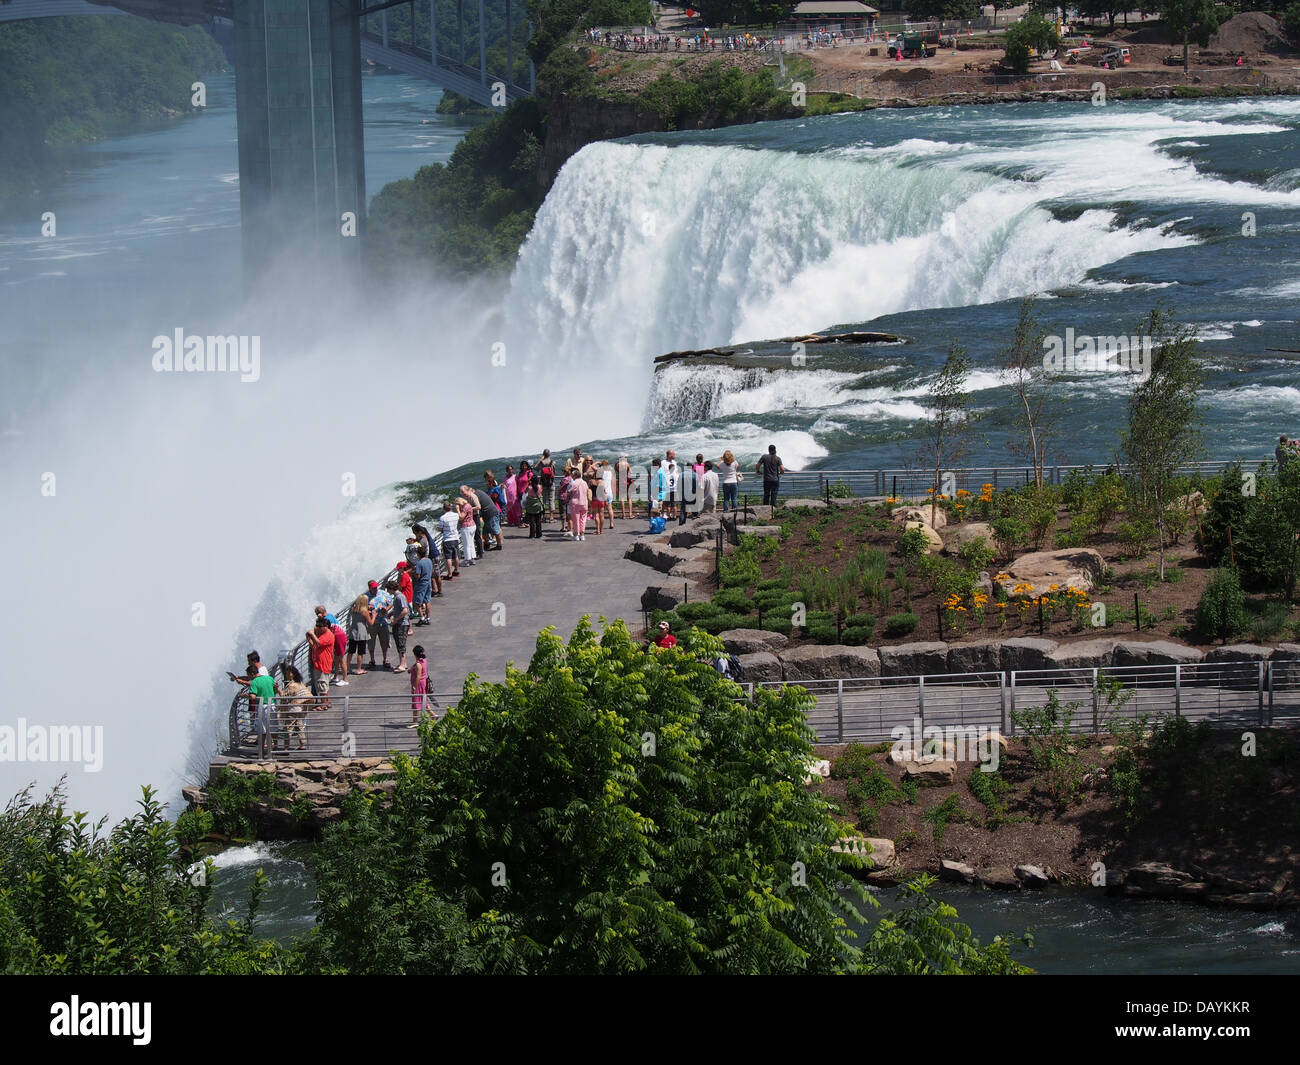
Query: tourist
(578, 498)
(689, 494)
(709, 488)
(321, 660)
(433, 548)
(729, 476)
(412, 549)
(466, 526)
(671, 476)
(563, 504)
(449, 526)
(489, 515)
(574, 463)
(477, 516)
(660, 483)
(1283, 452)
(423, 587)
(380, 601)
(666, 638)
(359, 625)
(405, 581)
(623, 484)
(599, 507)
(399, 620)
(606, 473)
(533, 510)
(340, 651)
(511, 491)
(771, 468)
(698, 467)
(546, 476)
(523, 479)
(294, 706)
(419, 684)
(261, 703)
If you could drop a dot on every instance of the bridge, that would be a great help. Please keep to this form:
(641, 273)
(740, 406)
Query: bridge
(302, 186)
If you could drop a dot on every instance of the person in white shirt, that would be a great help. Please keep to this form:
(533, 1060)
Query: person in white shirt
(709, 488)
(729, 474)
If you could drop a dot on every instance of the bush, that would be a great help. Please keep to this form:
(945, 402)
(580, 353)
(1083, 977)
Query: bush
(976, 554)
(734, 600)
(1009, 533)
(1221, 613)
(900, 625)
(717, 623)
(697, 611)
(855, 760)
(193, 825)
(913, 545)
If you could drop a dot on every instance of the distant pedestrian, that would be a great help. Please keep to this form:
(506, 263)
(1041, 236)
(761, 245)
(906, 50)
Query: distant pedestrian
(380, 633)
(771, 468)
(340, 651)
(466, 526)
(578, 508)
(730, 476)
(709, 489)
(533, 511)
(399, 620)
(359, 632)
(449, 527)
(419, 684)
(322, 660)
(666, 638)
(546, 478)
(423, 587)
(623, 485)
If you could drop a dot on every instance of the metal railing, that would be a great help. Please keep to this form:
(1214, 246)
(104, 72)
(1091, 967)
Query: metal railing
(1244, 694)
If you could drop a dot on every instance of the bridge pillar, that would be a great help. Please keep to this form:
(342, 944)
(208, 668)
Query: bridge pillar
(301, 151)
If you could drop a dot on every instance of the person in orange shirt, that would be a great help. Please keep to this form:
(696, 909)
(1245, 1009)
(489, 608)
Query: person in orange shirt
(666, 638)
(322, 659)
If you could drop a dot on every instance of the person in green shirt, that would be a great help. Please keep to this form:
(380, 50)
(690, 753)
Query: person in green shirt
(262, 688)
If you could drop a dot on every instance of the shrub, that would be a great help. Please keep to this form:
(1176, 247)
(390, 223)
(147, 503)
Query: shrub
(939, 817)
(976, 554)
(193, 825)
(697, 611)
(1271, 620)
(1009, 533)
(717, 623)
(1221, 613)
(734, 600)
(855, 760)
(1136, 535)
(989, 789)
(913, 545)
(900, 625)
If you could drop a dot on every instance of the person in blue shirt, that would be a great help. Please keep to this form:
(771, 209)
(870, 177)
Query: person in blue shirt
(423, 585)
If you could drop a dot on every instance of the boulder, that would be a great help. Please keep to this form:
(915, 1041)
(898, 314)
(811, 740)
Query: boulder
(747, 641)
(760, 666)
(828, 662)
(1239, 652)
(1155, 878)
(921, 514)
(914, 659)
(815, 504)
(273, 823)
(958, 871)
(1001, 878)
(696, 563)
(1027, 652)
(934, 774)
(1193, 503)
(1085, 654)
(664, 596)
(194, 795)
(1155, 653)
(758, 530)
(816, 769)
(1074, 567)
(656, 555)
(975, 656)
(1031, 876)
(932, 750)
(933, 541)
(882, 852)
(958, 536)
(694, 533)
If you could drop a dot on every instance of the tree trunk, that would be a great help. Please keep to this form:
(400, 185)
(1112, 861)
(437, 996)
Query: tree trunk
(1186, 66)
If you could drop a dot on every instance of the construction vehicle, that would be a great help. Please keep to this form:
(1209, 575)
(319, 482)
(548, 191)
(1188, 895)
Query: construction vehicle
(914, 45)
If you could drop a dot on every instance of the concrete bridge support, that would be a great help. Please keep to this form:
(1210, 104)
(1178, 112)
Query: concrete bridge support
(302, 185)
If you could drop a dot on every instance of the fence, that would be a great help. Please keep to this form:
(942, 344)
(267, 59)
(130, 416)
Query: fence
(867, 709)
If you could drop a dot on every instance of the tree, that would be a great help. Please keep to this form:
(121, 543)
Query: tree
(1291, 24)
(943, 10)
(1033, 33)
(949, 423)
(1107, 9)
(614, 809)
(77, 901)
(1163, 418)
(1024, 373)
(1194, 19)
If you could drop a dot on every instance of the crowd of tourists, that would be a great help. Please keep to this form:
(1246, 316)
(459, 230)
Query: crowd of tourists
(583, 494)
(1287, 450)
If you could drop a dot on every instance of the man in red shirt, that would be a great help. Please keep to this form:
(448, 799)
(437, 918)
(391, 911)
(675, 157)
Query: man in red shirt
(404, 581)
(322, 659)
(666, 638)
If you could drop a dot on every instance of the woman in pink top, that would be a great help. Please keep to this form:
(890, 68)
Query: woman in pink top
(578, 507)
(513, 513)
(419, 684)
(466, 511)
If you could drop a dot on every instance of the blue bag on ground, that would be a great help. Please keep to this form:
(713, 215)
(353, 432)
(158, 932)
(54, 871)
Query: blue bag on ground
(657, 524)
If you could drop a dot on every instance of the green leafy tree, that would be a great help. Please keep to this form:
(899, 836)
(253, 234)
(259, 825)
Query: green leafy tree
(1163, 417)
(75, 900)
(949, 424)
(1291, 23)
(1193, 20)
(945, 10)
(1221, 612)
(1032, 33)
(613, 809)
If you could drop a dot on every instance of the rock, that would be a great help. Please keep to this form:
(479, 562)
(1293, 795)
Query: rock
(663, 596)
(273, 823)
(907, 515)
(1031, 876)
(194, 795)
(1086, 654)
(1000, 878)
(934, 774)
(699, 562)
(958, 871)
(1239, 652)
(758, 530)
(994, 736)
(913, 659)
(1193, 503)
(326, 815)
(694, 533)
(976, 656)
(932, 750)
(656, 556)
(815, 504)
(882, 852)
(1154, 653)
(1027, 652)
(747, 641)
(933, 542)
(958, 536)
(816, 770)
(1075, 567)
(1253, 900)
(1155, 878)
(828, 662)
(760, 666)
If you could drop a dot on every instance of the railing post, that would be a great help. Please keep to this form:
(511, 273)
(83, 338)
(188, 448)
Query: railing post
(920, 709)
(1002, 703)
(1178, 690)
(839, 709)
(1011, 700)
(1261, 692)
(1270, 693)
(346, 728)
(1095, 702)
